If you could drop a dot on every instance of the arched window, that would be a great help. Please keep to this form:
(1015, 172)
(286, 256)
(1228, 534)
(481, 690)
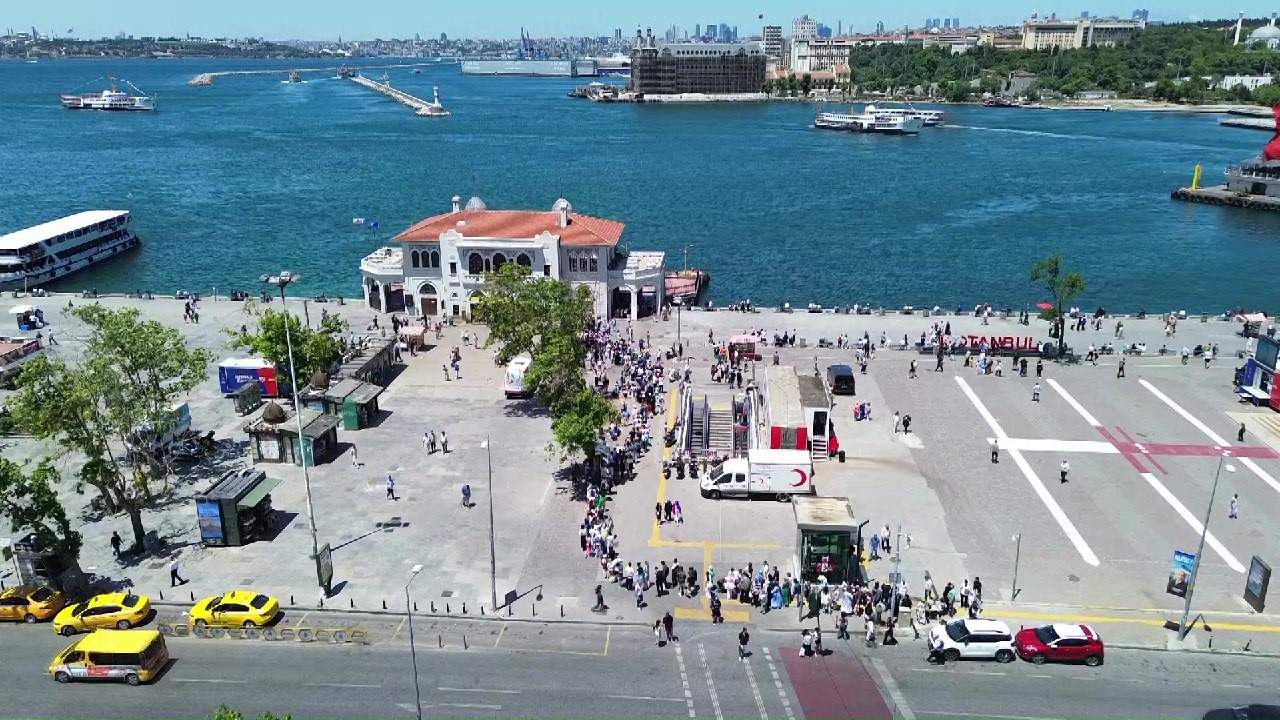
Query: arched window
(499, 260)
(413, 259)
(435, 258)
(523, 259)
(475, 264)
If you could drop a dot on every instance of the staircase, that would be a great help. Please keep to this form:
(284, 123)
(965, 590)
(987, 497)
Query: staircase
(720, 430)
(818, 450)
(697, 427)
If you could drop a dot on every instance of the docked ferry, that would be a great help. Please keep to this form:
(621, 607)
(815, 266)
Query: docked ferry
(930, 118)
(868, 123)
(111, 99)
(56, 249)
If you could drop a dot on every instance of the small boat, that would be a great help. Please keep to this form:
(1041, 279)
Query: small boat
(295, 76)
(346, 72)
(417, 71)
(998, 102)
(111, 99)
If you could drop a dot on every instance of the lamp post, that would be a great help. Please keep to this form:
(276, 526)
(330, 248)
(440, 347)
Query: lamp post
(1204, 530)
(282, 281)
(493, 556)
(1017, 557)
(897, 575)
(413, 651)
(678, 301)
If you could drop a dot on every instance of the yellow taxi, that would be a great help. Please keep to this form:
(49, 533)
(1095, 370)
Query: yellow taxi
(117, 610)
(30, 603)
(238, 608)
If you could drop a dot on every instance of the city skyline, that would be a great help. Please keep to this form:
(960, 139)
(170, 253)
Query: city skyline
(500, 19)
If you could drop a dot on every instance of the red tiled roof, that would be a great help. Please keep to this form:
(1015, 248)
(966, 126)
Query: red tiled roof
(517, 224)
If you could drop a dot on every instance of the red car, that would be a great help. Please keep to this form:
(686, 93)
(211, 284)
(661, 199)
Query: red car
(1059, 643)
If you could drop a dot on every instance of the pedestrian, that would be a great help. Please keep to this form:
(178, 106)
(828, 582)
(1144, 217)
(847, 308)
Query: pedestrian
(889, 638)
(1035, 392)
(600, 606)
(842, 627)
(52, 341)
(355, 458)
(433, 442)
(1039, 368)
(445, 368)
(466, 495)
(669, 626)
(1234, 513)
(678, 511)
(657, 630)
(875, 547)
(1240, 433)
(870, 621)
(391, 488)
(1208, 357)
(936, 653)
(657, 512)
(1063, 469)
(1120, 369)
(174, 578)
(426, 442)
(666, 510)
(906, 424)
(995, 451)
(897, 422)
(743, 638)
(911, 374)
(444, 442)
(116, 542)
(965, 594)
(640, 600)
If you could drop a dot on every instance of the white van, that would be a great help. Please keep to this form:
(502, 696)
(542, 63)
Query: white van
(780, 473)
(514, 385)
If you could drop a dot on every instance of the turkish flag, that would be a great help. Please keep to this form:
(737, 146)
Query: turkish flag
(1272, 150)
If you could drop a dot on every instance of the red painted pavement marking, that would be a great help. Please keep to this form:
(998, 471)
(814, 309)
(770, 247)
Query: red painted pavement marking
(1129, 450)
(834, 686)
(1150, 458)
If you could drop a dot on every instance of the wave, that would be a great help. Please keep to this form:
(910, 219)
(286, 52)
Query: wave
(1037, 133)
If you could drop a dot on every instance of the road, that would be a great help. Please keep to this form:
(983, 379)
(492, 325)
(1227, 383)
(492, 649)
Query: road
(529, 670)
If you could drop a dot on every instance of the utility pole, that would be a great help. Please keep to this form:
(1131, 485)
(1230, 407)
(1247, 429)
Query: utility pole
(1017, 556)
(897, 575)
(493, 556)
(1204, 530)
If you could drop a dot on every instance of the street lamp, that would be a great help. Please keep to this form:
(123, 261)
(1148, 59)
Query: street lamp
(678, 301)
(413, 650)
(1017, 556)
(1204, 530)
(897, 575)
(493, 556)
(282, 281)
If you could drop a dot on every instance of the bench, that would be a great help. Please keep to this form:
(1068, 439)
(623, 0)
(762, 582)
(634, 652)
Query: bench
(1254, 395)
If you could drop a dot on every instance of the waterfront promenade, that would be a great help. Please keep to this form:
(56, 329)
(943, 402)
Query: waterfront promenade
(1098, 547)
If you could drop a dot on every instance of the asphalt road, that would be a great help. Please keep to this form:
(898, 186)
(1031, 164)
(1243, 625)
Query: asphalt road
(585, 671)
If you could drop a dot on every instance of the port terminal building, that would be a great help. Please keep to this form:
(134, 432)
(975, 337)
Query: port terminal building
(663, 68)
(437, 267)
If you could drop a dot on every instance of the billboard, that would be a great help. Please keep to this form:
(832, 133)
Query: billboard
(1180, 573)
(1255, 586)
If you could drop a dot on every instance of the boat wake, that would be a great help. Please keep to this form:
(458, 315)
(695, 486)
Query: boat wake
(1036, 133)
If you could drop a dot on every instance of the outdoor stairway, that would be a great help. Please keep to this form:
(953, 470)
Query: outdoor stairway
(697, 438)
(720, 433)
(818, 450)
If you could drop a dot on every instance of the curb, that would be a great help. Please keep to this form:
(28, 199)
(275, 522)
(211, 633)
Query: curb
(434, 616)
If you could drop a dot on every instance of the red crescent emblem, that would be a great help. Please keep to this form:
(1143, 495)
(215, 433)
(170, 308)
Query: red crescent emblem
(804, 477)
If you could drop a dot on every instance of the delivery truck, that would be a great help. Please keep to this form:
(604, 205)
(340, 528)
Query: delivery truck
(237, 371)
(776, 473)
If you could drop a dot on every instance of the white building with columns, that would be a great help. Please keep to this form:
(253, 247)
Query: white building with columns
(440, 263)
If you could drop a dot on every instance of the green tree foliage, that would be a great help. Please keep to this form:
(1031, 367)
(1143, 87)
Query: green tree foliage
(546, 319)
(1062, 287)
(224, 712)
(134, 372)
(806, 85)
(313, 348)
(29, 503)
(1161, 54)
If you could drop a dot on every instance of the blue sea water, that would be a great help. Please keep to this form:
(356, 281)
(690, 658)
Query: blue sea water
(253, 175)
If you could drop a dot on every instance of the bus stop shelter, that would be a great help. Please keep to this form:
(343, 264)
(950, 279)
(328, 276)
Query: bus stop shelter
(827, 539)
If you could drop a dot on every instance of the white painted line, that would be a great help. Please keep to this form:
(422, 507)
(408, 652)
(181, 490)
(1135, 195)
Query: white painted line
(1055, 509)
(755, 689)
(986, 672)
(952, 713)
(342, 685)
(711, 684)
(1195, 524)
(1235, 686)
(1216, 438)
(643, 697)
(1046, 677)
(891, 686)
(209, 680)
(782, 692)
(480, 706)
(479, 690)
(1266, 476)
(1098, 447)
(1072, 402)
(684, 679)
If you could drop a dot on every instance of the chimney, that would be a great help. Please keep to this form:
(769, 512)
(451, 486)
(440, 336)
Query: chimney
(564, 215)
(1239, 27)
(457, 203)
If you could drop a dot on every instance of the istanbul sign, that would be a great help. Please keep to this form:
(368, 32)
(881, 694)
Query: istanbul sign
(997, 342)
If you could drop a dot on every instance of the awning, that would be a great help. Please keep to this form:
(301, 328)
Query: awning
(743, 339)
(321, 425)
(23, 309)
(1253, 317)
(259, 492)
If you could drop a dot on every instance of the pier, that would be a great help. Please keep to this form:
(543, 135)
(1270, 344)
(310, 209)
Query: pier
(418, 105)
(209, 77)
(1249, 123)
(1220, 195)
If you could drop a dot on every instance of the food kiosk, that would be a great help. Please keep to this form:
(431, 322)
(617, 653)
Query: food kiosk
(273, 436)
(355, 401)
(236, 510)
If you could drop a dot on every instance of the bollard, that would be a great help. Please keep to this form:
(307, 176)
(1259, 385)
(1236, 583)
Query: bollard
(447, 611)
(321, 601)
(161, 592)
(193, 596)
(464, 643)
(415, 606)
(433, 607)
(535, 609)
(482, 610)
(291, 602)
(510, 611)
(440, 638)
(384, 604)
(464, 608)
(1210, 642)
(353, 603)
(561, 611)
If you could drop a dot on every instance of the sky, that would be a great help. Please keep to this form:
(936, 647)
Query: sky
(328, 19)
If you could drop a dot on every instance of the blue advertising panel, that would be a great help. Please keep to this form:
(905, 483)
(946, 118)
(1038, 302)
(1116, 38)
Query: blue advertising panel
(210, 520)
(1180, 573)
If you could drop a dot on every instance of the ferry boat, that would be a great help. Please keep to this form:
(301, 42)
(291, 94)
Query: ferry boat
(998, 101)
(295, 76)
(346, 72)
(111, 99)
(930, 118)
(58, 248)
(868, 123)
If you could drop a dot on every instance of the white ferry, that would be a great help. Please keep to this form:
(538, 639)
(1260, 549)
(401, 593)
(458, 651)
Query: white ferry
(111, 99)
(56, 249)
(868, 123)
(930, 118)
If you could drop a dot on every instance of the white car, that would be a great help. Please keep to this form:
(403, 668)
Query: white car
(974, 639)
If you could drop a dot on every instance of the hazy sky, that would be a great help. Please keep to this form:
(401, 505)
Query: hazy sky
(322, 19)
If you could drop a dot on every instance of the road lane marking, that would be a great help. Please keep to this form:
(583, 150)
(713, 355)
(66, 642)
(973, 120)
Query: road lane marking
(1055, 509)
(1044, 677)
(684, 680)
(1235, 686)
(986, 672)
(1195, 524)
(952, 713)
(1057, 617)
(1155, 483)
(1096, 447)
(608, 635)
(501, 631)
(755, 689)
(1216, 438)
(782, 692)
(711, 684)
(644, 697)
(479, 690)
(342, 685)
(891, 686)
(480, 706)
(208, 680)
(1266, 476)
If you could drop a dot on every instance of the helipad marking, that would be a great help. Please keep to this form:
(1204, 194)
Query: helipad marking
(1055, 509)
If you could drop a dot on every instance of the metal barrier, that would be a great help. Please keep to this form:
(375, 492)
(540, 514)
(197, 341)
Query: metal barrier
(335, 636)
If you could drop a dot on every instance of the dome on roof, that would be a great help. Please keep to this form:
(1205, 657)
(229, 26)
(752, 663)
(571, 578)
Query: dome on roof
(1266, 32)
(476, 203)
(561, 204)
(320, 380)
(273, 414)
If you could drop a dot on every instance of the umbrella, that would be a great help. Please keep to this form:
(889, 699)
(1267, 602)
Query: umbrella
(22, 309)
(1045, 306)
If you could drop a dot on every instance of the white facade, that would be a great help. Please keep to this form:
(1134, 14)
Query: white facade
(804, 27)
(1053, 34)
(1252, 82)
(813, 55)
(438, 275)
(773, 41)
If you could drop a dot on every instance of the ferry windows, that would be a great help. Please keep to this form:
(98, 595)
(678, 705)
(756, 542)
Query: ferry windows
(523, 259)
(475, 264)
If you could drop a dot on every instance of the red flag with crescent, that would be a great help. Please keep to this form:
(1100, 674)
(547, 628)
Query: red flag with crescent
(1272, 150)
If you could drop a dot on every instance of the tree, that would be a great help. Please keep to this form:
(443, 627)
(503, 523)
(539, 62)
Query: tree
(29, 503)
(1063, 288)
(123, 392)
(224, 712)
(792, 85)
(806, 84)
(577, 425)
(313, 348)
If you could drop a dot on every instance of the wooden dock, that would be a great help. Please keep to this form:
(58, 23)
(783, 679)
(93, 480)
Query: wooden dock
(1220, 195)
(400, 96)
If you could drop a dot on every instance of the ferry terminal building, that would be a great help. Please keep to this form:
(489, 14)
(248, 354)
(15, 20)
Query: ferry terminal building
(439, 266)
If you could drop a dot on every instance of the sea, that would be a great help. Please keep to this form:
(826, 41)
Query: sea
(253, 175)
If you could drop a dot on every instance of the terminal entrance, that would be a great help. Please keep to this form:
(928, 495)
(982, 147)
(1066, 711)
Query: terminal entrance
(428, 302)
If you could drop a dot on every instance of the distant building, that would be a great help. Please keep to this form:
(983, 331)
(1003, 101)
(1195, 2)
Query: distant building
(817, 54)
(617, 34)
(1096, 95)
(955, 23)
(803, 28)
(1266, 37)
(823, 31)
(1054, 34)
(1250, 82)
(773, 41)
(726, 33)
(946, 23)
(710, 68)
(439, 267)
(697, 30)
(1142, 15)
(1020, 81)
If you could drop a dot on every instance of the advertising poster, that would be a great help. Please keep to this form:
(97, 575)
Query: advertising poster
(1180, 574)
(1255, 588)
(210, 520)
